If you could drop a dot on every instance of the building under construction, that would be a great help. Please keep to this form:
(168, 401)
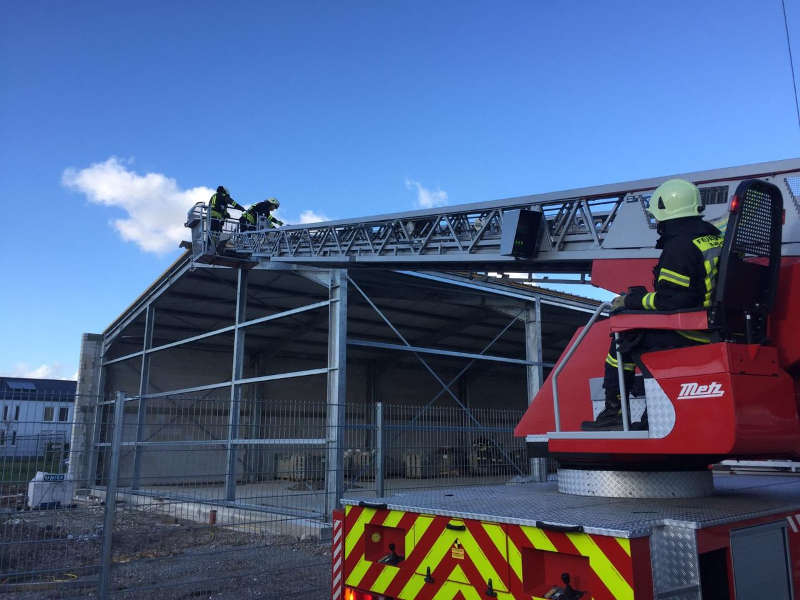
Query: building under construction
(243, 378)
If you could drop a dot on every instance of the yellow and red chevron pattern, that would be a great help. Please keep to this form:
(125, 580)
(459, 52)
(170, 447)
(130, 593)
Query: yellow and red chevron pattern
(448, 559)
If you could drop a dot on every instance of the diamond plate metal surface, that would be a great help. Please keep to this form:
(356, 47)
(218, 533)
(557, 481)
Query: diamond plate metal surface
(660, 412)
(736, 498)
(635, 484)
(637, 405)
(676, 573)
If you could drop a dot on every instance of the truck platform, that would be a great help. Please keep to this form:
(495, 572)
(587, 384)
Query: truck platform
(736, 498)
(531, 541)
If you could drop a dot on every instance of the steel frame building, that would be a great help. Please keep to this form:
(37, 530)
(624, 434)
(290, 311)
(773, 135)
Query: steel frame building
(223, 335)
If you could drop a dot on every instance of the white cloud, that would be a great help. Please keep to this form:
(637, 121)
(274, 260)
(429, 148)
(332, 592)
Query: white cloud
(44, 371)
(310, 216)
(155, 205)
(427, 198)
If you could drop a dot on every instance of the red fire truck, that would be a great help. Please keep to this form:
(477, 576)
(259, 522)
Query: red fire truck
(633, 514)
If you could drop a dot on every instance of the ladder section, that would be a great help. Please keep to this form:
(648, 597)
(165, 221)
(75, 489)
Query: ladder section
(609, 221)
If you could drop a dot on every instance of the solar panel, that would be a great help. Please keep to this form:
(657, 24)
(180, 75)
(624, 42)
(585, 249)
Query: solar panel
(20, 385)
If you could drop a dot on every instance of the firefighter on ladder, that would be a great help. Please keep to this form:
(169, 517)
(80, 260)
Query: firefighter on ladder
(218, 207)
(249, 219)
(683, 278)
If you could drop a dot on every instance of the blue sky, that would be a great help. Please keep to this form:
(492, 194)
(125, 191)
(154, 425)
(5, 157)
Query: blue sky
(115, 116)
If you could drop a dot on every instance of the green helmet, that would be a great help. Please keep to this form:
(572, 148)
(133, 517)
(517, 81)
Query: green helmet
(273, 202)
(675, 199)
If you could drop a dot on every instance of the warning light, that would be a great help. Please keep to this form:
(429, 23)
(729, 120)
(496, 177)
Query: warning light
(375, 537)
(734, 204)
(351, 594)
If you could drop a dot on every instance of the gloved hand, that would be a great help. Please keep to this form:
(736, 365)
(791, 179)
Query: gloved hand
(618, 303)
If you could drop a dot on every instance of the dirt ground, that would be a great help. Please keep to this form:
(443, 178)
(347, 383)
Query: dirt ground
(155, 556)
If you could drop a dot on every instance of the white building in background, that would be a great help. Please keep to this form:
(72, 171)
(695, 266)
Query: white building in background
(36, 416)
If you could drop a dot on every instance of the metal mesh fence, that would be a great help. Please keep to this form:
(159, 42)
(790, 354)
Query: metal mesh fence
(50, 528)
(210, 504)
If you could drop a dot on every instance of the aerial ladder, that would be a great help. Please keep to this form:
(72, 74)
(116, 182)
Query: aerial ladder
(633, 514)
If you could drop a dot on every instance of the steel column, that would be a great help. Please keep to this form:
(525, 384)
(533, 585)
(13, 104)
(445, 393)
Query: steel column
(533, 348)
(535, 373)
(337, 389)
(237, 369)
(144, 382)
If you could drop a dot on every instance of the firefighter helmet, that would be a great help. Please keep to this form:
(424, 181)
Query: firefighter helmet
(675, 199)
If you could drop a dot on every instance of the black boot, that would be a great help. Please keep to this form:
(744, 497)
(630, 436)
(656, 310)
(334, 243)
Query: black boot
(641, 425)
(610, 419)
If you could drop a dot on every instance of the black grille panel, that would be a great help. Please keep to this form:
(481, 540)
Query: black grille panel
(753, 236)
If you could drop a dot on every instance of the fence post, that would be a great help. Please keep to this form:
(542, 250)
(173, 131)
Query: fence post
(111, 496)
(379, 458)
(337, 390)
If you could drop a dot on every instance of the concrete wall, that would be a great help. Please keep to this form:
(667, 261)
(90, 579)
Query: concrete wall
(88, 392)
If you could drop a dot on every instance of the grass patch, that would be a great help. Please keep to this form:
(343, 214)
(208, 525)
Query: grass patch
(22, 469)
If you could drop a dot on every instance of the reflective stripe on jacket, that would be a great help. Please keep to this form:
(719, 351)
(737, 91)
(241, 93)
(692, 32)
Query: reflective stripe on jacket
(218, 205)
(686, 272)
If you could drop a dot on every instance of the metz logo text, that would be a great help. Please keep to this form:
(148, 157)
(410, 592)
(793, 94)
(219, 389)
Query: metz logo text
(695, 390)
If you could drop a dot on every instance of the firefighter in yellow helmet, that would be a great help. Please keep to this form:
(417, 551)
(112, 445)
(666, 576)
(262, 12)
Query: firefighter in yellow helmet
(249, 219)
(684, 278)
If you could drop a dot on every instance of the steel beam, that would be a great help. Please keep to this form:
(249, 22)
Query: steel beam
(144, 382)
(237, 370)
(438, 352)
(228, 329)
(225, 384)
(337, 390)
(317, 442)
(180, 266)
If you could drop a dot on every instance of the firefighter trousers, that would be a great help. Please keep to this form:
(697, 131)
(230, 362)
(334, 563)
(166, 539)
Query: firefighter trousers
(632, 345)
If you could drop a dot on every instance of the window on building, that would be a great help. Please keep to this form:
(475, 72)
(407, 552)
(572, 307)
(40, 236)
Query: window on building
(5, 413)
(48, 413)
(2, 438)
(13, 438)
(16, 412)
(63, 413)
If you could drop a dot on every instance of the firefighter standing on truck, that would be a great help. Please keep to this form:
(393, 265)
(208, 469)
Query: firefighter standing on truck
(683, 278)
(249, 219)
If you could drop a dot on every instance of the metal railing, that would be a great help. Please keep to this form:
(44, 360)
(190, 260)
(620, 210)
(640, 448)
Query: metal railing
(603, 308)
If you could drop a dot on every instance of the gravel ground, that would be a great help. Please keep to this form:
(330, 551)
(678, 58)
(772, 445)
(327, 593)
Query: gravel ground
(155, 556)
